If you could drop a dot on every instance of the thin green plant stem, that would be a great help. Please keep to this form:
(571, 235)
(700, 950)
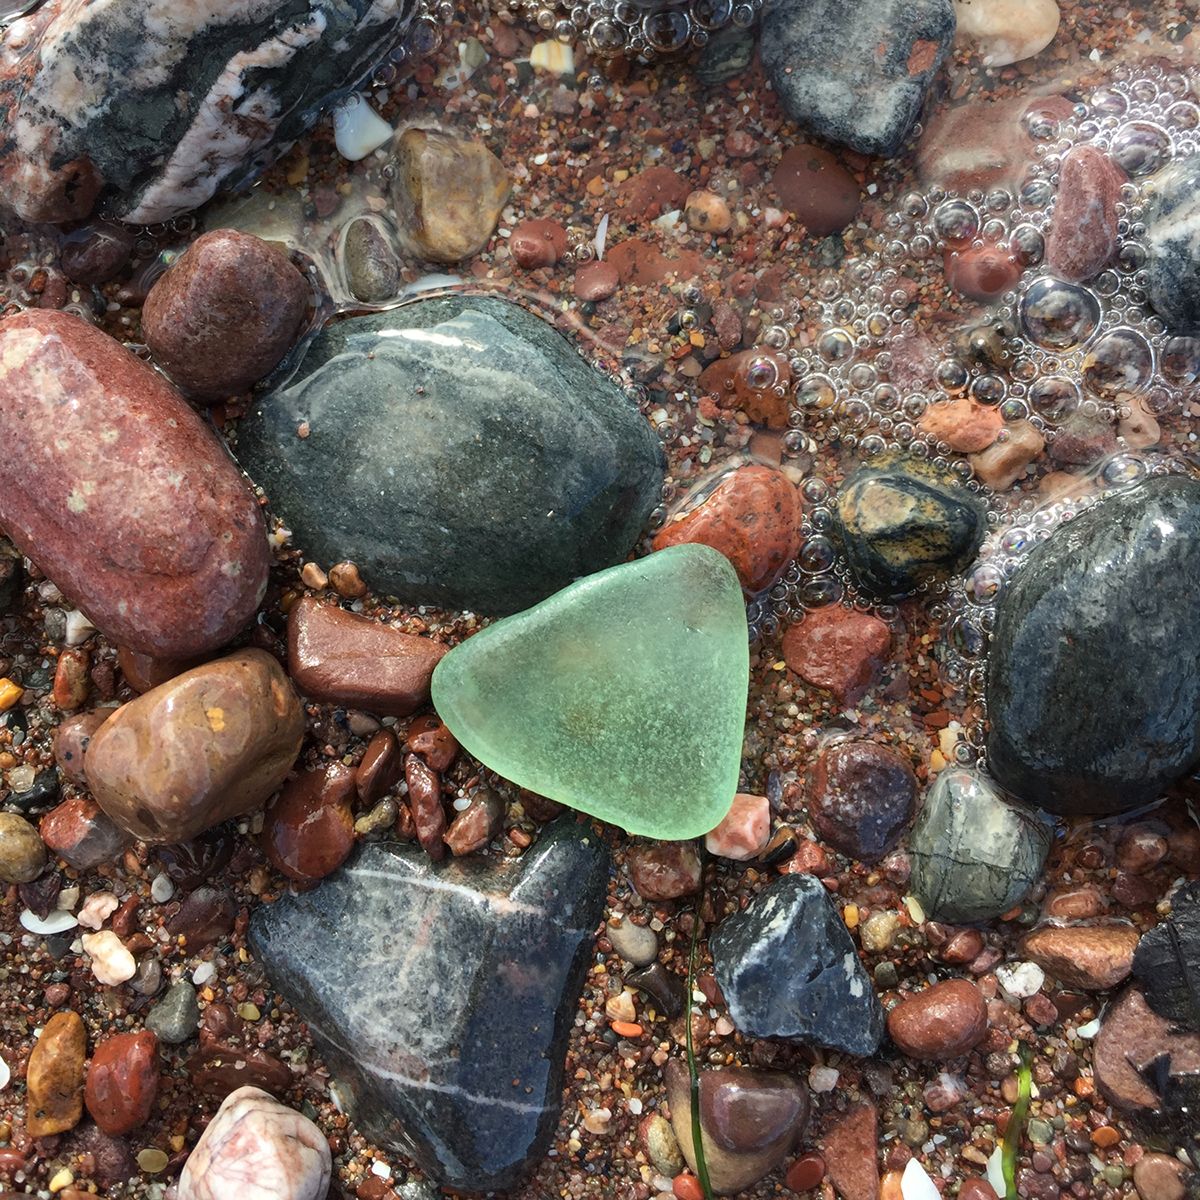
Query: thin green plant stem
(693, 1073)
(1016, 1124)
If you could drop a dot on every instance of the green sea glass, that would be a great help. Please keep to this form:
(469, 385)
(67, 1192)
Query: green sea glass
(623, 695)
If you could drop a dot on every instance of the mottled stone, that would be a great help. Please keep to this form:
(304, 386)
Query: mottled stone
(754, 382)
(447, 192)
(371, 265)
(636, 944)
(962, 424)
(622, 696)
(309, 831)
(851, 1149)
(862, 798)
(744, 831)
(82, 834)
(428, 737)
(1172, 219)
(855, 75)
(726, 54)
(1005, 461)
(1093, 708)
(664, 870)
(122, 1082)
(974, 855)
(516, 465)
(982, 272)
(224, 313)
(72, 736)
(943, 1021)
(749, 1121)
(1083, 230)
(151, 106)
(788, 968)
(1093, 957)
(445, 1017)
(538, 242)
(904, 524)
(752, 516)
(1167, 960)
(176, 1017)
(477, 824)
(22, 854)
(211, 744)
(257, 1149)
(838, 649)
(1159, 1177)
(425, 803)
(54, 1077)
(812, 185)
(91, 435)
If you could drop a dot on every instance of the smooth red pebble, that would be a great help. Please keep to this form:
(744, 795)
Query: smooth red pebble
(812, 185)
(755, 382)
(537, 243)
(596, 280)
(144, 672)
(687, 1187)
(71, 679)
(429, 737)
(838, 649)
(977, 1188)
(941, 1022)
(379, 769)
(122, 1082)
(309, 831)
(983, 272)
(1083, 229)
(425, 800)
(752, 517)
(805, 1173)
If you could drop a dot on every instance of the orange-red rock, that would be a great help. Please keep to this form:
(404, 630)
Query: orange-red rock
(309, 831)
(119, 492)
(962, 424)
(596, 280)
(82, 834)
(71, 739)
(429, 738)
(752, 517)
(122, 1082)
(814, 186)
(941, 1022)
(54, 1077)
(982, 272)
(538, 242)
(851, 1151)
(1084, 956)
(838, 649)
(755, 382)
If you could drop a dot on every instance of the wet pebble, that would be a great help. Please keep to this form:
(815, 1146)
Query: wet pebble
(636, 944)
(862, 798)
(71, 738)
(849, 1147)
(425, 801)
(55, 1075)
(706, 212)
(944, 1021)
(477, 824)
(371, 266)
(122, 1082)
(309, 831)
(205, 916)
(744, 831)
(1093, 957)
(22, 854)
(982, 272)
(1159, 1177)
(1006, 459)
(838, 649)
(664, 870)
(379, 769)
(963, 424)
(82, 834)
(813, 186)
(664, 988)
(1083, 230)
(596, 280)
(538, 242)
(1002, 32)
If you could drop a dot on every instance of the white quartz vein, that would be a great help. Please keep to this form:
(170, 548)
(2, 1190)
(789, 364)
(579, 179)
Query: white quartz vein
(500, 904)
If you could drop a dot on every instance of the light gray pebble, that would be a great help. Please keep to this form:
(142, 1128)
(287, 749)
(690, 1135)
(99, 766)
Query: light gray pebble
(636, 944)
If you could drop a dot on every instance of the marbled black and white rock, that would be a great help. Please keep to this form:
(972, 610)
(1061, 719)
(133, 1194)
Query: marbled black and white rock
(145, 108)
(856, 74)
(442, 994)
(974, 854)
(459, 451)
(1173, 243)
(1093, 687)
(787, 967)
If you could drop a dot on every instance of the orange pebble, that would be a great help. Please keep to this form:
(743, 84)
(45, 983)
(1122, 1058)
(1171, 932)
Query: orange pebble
(889, 1187)
(1105, 1136)
(626, 1029)
(687, 1187)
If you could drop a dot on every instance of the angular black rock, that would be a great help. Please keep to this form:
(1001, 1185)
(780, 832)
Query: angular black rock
(1173, 243)
(442, 994)
(1167, 961)
(149, 106)
(459, 451)
(856, 74)
(903, 524)
(787, 968)
(1093, 687)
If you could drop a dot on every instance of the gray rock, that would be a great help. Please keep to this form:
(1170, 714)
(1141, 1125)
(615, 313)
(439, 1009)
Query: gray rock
(148, 107)
(974, 855)
(856, 74)
(459, 451)
(636, 944)
(787, 967)
(371, 266)
(1172, 218)
(176, 1017)
(725, 55)
(443, 994)
(1093, 687)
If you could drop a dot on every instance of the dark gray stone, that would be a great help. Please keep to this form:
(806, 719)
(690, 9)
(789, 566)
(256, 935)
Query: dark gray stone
(1167, 961)
(176, 1017)
(725, 55)
(787, 968)
(904, 524)
(148, 107)
(1093, 687)
(856, 74)
(441, 995)
(459, 451)
(974, 855)
(1173, 243)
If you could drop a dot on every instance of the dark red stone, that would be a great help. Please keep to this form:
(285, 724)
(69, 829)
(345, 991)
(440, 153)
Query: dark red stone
(1083, 229)
(425, 799)
(664, 870)
(429, 737)
(862, 799)
(539, 242)
(838, 649)
(814, 186)
(379, 769)
(309, 831)
(81, 834)
(122, 1081)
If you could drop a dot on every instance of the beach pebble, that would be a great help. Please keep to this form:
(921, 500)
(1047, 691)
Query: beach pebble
(636, 944)
(122, 1082)
(944, 1021)
(1083, 228)
(1002, 32)
(55, 1075)
(744, 831)
(1005, 461)
(596, 281)
(813, 185)
(111, 962)
(838, 649)
(1092, 957)
(22, 854)
(664, 870)
(538, 242)
(862, 798)
(82, 834)
(309, 831)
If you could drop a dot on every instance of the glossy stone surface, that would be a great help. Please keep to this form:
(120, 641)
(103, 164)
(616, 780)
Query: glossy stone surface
(151, 106)
(974, 854)
(120, 493)
(122, 1081)
(940, 1022)
(1167, 960)
(1083, 231)
(623, 696)
(309, 831)
(1094, 707)
(904, 524)
(459, 451)
(211, 744)
(444, 994)
(1173, 243)
(855, 74)
(788, 968)
(54, 1077)
(862, 797)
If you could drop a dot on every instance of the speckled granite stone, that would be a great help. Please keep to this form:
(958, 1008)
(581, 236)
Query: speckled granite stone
(1173, 243)
(149, 106)
(443, 994)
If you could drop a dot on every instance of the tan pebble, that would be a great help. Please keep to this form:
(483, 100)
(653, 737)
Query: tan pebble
(706, 212)
(1004, 462)
(346, 580)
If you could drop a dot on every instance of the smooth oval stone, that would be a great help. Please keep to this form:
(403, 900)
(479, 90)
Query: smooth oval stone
(459, 451)
(623, 696)
(974, 855)
(1094, 680)
(122, 1081)
(211, 744)
(904, 524)
(121, 494)
(1172, 221)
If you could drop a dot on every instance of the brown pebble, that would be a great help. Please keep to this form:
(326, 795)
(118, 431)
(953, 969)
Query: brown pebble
(81, 834)
(425, 800)
(122, 1082)
(55, 1075)
(596, 280)
(862, 798)
(941, 1022)
(664, 870)
(539, 242)
(838, 649)
(814, 186)
(1093, 957)
(477, 824)
(379, 769)
(429, 737)
(309, 831)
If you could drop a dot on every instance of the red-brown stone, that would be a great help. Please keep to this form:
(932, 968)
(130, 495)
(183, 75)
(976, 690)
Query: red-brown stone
(851, 1151)
(982, 272)
(379, 769)
(144, 672)
(71, 738)
(862, 798)
(664, 870)
(941, 1022)
(596, 280)
(1083, 230)
(425, 800)
(754, 382)
(81, 834)
(838, 649)
(122, 1082)
(309, 830)
(814, 186)
(429, 737)
(538, 242)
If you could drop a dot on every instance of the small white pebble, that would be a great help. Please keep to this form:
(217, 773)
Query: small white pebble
(915, 1183)
(823, 1079)
(203, 974)
(55, 922)
(358, 129)
(634, 1105)
(381, 1169)
(5, 1074)
(597, 1120)
(1021, 979)
(995, 1170)
(161, 888)
(555, 57)
(79, 628)
(68, 898)
(1089, 1031)
(111, 962)
(724, 1026)
(915, 910)
(97, 908)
